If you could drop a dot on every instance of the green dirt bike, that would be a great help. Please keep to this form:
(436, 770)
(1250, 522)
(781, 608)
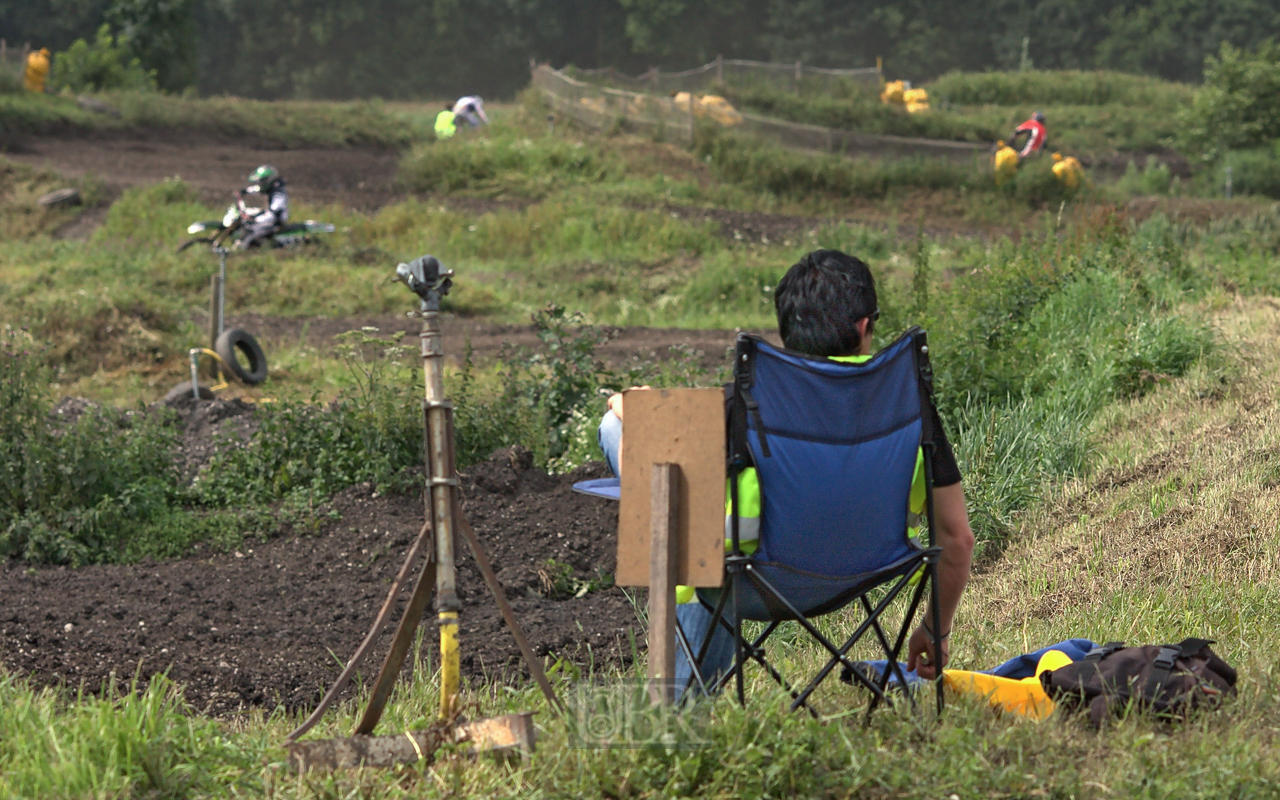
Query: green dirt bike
(228, 231)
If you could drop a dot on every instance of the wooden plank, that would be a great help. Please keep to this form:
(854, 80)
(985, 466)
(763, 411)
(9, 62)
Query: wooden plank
(663, 559)
(511, 734)
(684, 427)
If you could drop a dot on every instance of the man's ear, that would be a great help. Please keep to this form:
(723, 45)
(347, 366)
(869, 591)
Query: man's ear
(862, 325)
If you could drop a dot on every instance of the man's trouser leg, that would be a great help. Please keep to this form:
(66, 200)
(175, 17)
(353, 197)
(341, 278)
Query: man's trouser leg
(694, 618)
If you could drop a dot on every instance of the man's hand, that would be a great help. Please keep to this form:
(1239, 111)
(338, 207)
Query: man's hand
(615, 400)
(920, 654)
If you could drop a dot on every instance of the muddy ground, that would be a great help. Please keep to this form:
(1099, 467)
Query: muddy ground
(626, 345)
(270, 623)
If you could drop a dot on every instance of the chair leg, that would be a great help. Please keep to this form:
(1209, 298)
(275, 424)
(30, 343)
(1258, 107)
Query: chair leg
(737, 647)
(935, 606)
(695, 669)
(838, 654)
(894, 652)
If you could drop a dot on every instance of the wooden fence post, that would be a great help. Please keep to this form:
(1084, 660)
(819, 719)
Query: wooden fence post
(664, 499)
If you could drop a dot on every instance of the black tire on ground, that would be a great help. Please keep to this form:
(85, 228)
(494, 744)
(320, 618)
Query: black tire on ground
(184, 390)
(235, 339)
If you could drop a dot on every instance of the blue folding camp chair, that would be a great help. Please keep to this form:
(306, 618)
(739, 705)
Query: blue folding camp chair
(835, 448)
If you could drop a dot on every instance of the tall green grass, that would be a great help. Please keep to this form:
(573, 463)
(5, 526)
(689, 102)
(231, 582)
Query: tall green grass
(127, 742)
(1057, 88)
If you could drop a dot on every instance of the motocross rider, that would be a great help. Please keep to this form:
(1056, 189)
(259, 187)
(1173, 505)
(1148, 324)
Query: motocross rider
(266, 181)
(1036, 133)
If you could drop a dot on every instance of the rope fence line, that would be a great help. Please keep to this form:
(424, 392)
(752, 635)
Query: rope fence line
(603, 108)
(731, 69)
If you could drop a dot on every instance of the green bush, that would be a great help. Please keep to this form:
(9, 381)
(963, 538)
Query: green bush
(857, 110)
(771, 168)
(105, 65)
(10, 78)
(1153, 179)
(1055, 87)
(75, 492)
(472, 160)
(1239, 105)
(1255, 171)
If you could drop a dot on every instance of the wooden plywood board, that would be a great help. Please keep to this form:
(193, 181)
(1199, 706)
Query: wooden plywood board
(684, 427)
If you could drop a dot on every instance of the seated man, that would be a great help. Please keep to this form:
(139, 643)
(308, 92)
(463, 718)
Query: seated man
(266, 181)
(826, 306)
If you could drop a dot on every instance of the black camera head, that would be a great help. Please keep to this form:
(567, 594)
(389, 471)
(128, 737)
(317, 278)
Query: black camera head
(428, 279)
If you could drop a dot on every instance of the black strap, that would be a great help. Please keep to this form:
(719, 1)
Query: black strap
(1100, 652)
(1190, 646)
(745, 408)
(1160, 671)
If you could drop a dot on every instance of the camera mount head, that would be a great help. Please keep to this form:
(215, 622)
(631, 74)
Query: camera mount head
(428, 279)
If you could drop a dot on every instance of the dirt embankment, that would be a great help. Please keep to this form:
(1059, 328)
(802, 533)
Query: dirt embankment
(269, 624)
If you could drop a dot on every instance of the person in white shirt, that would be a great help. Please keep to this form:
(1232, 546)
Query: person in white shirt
(471, 110)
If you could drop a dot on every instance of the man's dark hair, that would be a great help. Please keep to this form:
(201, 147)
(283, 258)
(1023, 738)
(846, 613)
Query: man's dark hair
(820, 300)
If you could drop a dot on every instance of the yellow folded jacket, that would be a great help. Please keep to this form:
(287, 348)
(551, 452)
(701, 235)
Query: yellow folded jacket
(1025, 697)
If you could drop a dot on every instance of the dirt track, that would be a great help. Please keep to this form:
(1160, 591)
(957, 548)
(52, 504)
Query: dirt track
(487, 338)
(269, 624)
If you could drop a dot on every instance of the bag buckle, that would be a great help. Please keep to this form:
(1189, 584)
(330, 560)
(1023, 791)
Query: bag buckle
(1166, 657)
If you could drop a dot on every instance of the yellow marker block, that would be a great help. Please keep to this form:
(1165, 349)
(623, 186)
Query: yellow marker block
(449, 663)
(1026, 697)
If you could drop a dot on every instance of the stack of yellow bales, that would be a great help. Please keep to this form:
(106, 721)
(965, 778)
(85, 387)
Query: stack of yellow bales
(1006, 163)
(37, 70)
(1068, 170)
(708, 105)
(915, 100)
(900, 93)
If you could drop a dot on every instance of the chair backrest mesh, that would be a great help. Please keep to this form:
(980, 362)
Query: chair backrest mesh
(842, 442)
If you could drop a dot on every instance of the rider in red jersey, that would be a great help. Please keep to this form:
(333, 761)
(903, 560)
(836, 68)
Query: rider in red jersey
(1035, 132)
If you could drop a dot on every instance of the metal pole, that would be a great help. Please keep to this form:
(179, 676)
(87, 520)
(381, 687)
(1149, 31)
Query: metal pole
(1228, 186)
(222, 289)
(195, 376)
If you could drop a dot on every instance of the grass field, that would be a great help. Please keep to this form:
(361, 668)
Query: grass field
(1170, 536)
(1090, 113)
(1108, 384)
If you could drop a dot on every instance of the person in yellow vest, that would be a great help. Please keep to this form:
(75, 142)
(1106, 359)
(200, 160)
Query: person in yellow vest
(446, 123)
(1067, 170)
(1006, 163)
(826, 306)
(37, 70)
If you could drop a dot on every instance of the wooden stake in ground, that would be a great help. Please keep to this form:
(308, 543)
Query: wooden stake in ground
(664, 551)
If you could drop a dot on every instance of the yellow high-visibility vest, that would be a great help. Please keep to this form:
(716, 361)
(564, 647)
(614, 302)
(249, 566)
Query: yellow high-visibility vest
(446, 124)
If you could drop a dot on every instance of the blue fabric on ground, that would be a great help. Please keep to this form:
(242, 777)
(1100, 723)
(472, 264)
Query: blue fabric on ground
(1024, 666)
(608, 488)
(1017, 668)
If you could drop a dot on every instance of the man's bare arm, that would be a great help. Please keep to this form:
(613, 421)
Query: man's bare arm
(955, 537)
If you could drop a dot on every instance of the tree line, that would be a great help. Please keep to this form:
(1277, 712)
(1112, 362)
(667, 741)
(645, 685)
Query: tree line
(424, 48)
